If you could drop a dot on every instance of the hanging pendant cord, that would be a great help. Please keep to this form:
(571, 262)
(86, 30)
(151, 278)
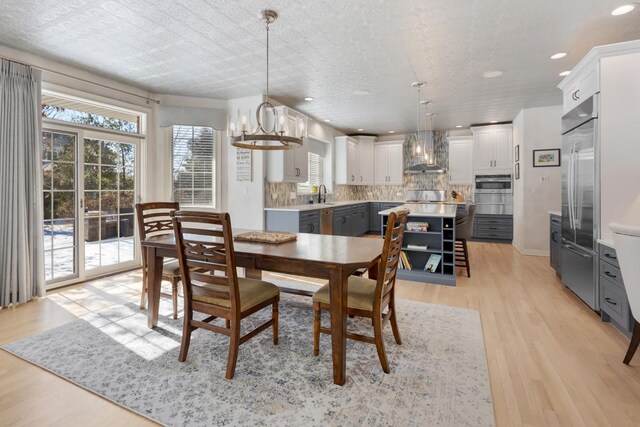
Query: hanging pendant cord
(267, 60)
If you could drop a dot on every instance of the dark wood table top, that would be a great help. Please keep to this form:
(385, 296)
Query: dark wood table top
(320, 249)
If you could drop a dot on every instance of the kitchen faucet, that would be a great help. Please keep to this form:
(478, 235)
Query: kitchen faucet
(322, 194)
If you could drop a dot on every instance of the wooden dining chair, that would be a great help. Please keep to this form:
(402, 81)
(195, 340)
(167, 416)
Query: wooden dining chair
(211, 284)
(464, 232)
(369, 298)
(154, 220)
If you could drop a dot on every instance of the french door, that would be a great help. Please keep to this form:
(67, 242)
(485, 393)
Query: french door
(90, 187)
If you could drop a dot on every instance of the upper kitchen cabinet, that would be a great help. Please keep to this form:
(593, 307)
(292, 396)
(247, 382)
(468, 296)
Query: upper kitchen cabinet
(580, 85)
(289, 165)
(354, 160)
(389, 165)
(460, 160)
(493, 148)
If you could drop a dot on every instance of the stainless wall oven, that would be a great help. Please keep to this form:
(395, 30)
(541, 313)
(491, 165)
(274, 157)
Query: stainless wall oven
(494, 194)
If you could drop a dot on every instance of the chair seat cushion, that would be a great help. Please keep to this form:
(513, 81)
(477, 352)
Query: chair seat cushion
(252, 292)
(171, 268)
(361, 293)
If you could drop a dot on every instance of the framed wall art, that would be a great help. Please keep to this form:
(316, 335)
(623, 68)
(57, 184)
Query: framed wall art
(546, 158)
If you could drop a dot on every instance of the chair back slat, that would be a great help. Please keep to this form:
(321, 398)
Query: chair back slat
(154, 218)
(391, 249)
(206, 255)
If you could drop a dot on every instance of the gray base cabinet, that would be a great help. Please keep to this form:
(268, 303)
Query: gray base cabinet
(493, 227)
(614, 306)
(555, 242)
(295, 222)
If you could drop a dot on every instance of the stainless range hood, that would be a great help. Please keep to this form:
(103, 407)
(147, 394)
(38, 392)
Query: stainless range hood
(424, 168)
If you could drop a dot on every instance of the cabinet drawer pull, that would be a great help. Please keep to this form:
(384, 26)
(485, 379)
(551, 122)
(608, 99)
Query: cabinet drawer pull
(610, 301)
(610, 256)
(613, 276)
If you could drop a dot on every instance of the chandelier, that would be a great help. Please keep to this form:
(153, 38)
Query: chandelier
(281, 134)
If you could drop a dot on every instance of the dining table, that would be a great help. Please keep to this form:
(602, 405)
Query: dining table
(333, 258)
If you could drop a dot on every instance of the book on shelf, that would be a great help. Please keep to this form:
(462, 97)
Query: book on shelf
(404, 261)
(417, 226)
(414, 246)
(432, 263)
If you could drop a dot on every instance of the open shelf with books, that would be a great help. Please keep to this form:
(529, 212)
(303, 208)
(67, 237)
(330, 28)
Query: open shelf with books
(427, 250)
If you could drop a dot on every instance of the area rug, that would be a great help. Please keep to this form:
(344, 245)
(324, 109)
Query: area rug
(438, 375)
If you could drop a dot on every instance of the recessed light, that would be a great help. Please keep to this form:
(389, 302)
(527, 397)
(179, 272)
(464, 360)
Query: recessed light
(392, 131)
(361, 92)
(493, 121)
(582, 115)
(308, 98)
(564, 73)
(458, 126)
(360, 130)
(492, 74)
(327, 120)
(559, 55)
(623, 9)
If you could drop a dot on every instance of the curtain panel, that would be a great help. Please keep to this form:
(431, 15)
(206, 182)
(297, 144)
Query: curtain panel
(21, 215)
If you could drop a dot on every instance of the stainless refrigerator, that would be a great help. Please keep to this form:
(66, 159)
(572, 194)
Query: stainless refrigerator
(580, 200)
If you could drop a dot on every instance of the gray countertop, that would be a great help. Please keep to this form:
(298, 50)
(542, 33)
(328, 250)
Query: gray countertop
(314, 206)
(438, 210)
(556, 213)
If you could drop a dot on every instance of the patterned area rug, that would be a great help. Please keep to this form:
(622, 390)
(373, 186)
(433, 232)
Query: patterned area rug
(438, 375)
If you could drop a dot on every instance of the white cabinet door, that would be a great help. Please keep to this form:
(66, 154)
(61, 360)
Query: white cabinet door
(502, 163)
(365, 162)
(290, 168)
(484, 150)
(381, 168)
(302, 162)
(353, 172)
(461, 161)
(395, 164)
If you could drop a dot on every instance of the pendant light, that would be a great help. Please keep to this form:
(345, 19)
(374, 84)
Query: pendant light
(279, 136)
(417, 149)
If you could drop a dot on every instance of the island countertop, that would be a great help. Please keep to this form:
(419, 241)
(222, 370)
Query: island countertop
(438, 210)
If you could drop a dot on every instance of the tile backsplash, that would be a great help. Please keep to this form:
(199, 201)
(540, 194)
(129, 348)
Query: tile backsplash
(283, 190)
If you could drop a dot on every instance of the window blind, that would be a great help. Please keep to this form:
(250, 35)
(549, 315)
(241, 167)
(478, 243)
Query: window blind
(193, 160)
(315, 174)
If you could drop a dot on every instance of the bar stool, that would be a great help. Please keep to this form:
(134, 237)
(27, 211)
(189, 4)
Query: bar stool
(626, 239)
(464, 231)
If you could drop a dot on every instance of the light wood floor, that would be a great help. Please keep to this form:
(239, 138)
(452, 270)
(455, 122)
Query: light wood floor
(551, 360)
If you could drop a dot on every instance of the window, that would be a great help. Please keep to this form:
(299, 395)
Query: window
(315, 174)
(82, 112)
(193, 160)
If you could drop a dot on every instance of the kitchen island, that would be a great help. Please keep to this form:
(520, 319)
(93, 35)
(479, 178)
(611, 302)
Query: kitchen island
(429, 237)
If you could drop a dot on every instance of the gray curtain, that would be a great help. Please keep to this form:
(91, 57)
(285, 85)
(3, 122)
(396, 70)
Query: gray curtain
(21, 241)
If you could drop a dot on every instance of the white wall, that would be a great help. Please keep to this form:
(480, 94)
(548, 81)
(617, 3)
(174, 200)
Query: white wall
(245, 200)
(538, 190)
(518, 185)
(619, 141)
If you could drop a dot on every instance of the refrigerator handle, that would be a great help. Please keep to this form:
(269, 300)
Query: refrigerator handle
(570, 249)
(570, 186)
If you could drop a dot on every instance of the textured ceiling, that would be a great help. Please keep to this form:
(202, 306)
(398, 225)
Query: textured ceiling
(328, 49)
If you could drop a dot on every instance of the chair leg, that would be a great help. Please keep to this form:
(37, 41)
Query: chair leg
(234, 345)
(633, 345)
(316, 328)
(227, 323)
(377, 332)
(174, 297)
(143, 291)
(394, 320)
(466, 256)
(186, 335)
(274, 316)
